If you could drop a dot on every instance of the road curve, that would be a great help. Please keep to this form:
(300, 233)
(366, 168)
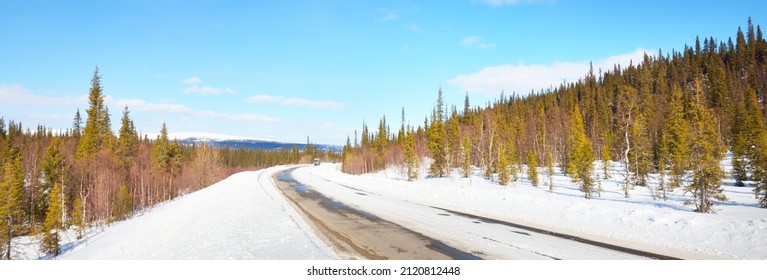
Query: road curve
(341, 212)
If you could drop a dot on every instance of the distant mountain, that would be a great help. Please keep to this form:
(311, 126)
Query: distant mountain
(220, 141)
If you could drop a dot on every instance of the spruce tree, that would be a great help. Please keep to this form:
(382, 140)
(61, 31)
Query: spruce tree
(435, 140)
(79, 220)
(410, 156)
(12, 195)
(678, 130)
(755, 132)
(532, 168)
(165, 156)
(605, 156)
(504, 172)
(123, 205)
(127, 144)
(53, 222)
(53, 173)
(77, 125)
(582, 155)
(95, 131)
(706, 152)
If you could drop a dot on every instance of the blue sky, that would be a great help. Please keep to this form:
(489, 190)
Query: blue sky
(285, 70)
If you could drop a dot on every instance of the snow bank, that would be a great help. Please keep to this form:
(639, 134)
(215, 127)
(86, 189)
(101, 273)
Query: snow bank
(241, 217)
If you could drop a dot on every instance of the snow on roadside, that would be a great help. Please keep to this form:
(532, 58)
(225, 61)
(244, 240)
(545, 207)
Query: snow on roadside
(241, 217)
(739, 230)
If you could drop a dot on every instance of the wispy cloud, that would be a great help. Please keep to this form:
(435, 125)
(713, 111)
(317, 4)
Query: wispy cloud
(501, 3)
(206, 90)
(522, 78)
(17, 95)
(193, 80)
(475, 41)
(294, 101)
(194, 87)
(386, 15)
(414, 27)
(138, 105)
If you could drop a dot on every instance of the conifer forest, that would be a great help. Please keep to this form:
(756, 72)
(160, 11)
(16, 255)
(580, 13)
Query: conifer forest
(673, 115)
(669, 119)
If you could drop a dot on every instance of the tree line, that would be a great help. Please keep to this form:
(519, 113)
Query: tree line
(672, 116)
(88, 175)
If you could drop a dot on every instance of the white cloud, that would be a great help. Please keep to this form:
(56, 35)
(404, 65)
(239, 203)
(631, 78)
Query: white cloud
(294, 101)
(475, 41)
(206, 90)
(17, 95)
(193, 80)
(501, 3)
(251, 118)
(139, 105)
(194, 87)
(522, 78)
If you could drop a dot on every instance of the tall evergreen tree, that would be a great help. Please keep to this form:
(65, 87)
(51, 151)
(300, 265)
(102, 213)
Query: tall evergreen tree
(127, 144)
(53, 222)
(678, 130)
(707, 150)
(12, 195)
(435, 140)
(532, 168)
(504, 165)
(53, 173)
(582, 155)
(754, 133)
(410, 156)
(550, 170)
(96, 129)
(77, 125)
(165, 155)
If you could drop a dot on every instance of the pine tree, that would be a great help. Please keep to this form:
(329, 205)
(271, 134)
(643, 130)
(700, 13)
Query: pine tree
(453, 141)
(53, 173)
(466, 152)
(79, 221)
(165, 156)
(640, 155)
(678, 130)
(52, 224)
(410, 157)
(127, 144)
(94, 134)
(707, 150)
(582, 155)
(12, 195)
(504, 174)
(123, 205)
(605, 155)
(532, 168)
(77, 125)
(754, 131)
(435, 140)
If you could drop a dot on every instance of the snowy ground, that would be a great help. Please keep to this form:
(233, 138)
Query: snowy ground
(241, 217)
(245, 217)
(738, 230)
